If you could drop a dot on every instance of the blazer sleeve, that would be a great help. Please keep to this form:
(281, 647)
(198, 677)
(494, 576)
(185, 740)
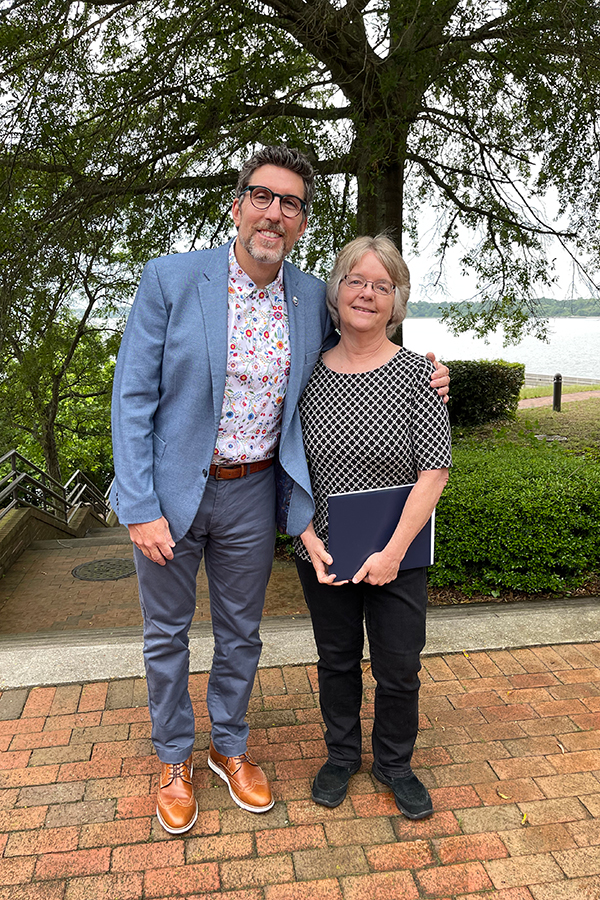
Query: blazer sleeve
(136, 393)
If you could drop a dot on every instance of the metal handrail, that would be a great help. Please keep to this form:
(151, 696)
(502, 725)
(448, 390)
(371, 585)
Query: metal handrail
(31, 487)
(25, 489)
(14, 455)
(45, 492)
(80, 491)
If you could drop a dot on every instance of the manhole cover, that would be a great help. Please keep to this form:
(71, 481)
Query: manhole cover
(104, 570)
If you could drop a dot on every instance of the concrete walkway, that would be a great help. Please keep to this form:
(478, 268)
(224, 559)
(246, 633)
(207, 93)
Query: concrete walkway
(56, 629)
(96, 655)
(565, 398)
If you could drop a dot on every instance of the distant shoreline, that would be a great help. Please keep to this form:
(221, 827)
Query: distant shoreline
(571, 347)
(549, 309)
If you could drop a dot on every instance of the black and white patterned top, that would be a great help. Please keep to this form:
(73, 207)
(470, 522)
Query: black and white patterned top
(371, 430)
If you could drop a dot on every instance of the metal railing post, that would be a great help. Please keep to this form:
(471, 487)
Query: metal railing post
(557, 392)
(13, 461)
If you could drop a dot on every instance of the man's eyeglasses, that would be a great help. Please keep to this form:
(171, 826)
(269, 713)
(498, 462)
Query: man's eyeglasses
(262, 197)
(357, 283)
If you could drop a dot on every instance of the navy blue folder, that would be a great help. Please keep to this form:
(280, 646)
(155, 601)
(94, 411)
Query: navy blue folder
(362, 522)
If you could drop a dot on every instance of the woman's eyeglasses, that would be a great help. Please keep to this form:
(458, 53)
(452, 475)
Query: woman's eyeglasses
(357, 283)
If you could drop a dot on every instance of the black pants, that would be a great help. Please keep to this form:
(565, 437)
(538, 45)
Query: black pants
(395, 618)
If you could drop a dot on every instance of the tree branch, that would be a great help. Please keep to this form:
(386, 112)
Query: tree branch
(481, 212)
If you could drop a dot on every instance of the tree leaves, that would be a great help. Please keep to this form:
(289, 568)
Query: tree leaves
(125, 122)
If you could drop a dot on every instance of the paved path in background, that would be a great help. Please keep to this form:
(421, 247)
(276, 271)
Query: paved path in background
(566, 398)
(39, 592)
(509, 747)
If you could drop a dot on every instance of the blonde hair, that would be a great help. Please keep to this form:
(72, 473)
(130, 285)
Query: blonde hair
(388, 255)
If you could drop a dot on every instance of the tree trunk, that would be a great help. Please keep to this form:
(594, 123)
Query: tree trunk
(381, 200)
(50, 450)
(381, 207)
(48, 435)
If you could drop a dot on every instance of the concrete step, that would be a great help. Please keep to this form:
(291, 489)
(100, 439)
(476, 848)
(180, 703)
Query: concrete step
(104, 654)
(95, 537)
(101, 532)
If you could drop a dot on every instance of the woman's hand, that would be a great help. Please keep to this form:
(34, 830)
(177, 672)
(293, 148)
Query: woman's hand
(379, 568)
(319, 556)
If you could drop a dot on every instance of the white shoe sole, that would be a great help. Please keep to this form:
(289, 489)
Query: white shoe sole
(255, 809)
(177, 830)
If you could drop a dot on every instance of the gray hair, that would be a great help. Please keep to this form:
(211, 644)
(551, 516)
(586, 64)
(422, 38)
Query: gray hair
(389, 256)
(285, 158)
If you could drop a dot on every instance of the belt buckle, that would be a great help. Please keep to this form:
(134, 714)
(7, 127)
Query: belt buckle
(220, 477)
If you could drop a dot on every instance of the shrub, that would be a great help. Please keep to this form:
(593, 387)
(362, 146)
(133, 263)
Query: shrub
(483, 390)
(518, 518)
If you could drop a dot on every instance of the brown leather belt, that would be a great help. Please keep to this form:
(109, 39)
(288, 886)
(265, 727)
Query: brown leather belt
(227, 472)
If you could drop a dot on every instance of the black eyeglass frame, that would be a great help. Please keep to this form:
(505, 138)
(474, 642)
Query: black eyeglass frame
(282, 197)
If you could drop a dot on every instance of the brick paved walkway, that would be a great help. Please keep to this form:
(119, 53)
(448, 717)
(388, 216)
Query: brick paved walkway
(509, 747)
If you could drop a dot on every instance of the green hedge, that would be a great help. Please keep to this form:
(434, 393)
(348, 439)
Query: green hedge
(483, 390)
(520, 518)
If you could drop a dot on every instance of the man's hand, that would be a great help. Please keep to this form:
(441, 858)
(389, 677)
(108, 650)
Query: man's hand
(440, 380)
(153, 539)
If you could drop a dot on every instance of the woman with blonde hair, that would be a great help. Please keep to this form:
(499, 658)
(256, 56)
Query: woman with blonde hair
(370, 419)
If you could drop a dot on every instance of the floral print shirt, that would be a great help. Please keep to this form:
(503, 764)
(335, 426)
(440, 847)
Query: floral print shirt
(258, 367)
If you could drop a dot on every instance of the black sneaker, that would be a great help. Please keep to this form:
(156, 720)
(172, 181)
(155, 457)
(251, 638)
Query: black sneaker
(331, 783)
(412, 797)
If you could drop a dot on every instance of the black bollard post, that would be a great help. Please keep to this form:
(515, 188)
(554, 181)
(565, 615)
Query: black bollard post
(556, 397)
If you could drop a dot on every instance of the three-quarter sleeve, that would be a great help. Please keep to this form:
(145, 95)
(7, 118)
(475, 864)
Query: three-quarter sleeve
(430, 423)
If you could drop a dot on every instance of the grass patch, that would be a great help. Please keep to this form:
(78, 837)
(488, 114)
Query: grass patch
(578, 423)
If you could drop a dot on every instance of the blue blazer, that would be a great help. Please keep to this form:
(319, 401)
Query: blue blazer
(170, 381)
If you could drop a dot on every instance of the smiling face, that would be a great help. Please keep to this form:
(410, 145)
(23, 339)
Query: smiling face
(365, 311)
(266, 236)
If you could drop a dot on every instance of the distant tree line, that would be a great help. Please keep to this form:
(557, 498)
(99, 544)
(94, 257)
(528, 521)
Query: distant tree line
(547, 307)
(123, 124)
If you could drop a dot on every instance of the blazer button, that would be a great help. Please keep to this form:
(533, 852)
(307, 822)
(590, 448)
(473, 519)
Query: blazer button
(205, 473)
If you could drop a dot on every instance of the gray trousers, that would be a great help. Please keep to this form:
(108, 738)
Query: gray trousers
(234, 530)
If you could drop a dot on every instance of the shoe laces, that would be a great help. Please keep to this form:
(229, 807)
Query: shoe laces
(179, 770)
(239, 761)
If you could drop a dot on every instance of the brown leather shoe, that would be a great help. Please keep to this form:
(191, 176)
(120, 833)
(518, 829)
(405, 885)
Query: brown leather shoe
(177, 808)
(245, 779)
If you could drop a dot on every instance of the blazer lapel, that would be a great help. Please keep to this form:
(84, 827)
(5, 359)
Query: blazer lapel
(296, 316)
(212, 291)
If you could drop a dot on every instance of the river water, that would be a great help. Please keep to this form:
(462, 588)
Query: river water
(573, 348)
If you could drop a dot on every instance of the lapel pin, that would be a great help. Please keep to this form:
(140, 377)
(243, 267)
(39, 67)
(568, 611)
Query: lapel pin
(295, 301)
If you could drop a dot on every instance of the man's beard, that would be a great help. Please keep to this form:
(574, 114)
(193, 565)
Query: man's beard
(264, 254)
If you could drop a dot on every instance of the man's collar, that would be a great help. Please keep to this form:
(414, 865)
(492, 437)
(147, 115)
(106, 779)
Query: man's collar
(245, 283)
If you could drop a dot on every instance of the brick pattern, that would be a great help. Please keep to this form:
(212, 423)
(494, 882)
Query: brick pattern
(509, 748)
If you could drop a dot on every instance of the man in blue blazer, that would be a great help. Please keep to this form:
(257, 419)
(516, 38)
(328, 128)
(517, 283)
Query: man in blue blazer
(218, 347)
